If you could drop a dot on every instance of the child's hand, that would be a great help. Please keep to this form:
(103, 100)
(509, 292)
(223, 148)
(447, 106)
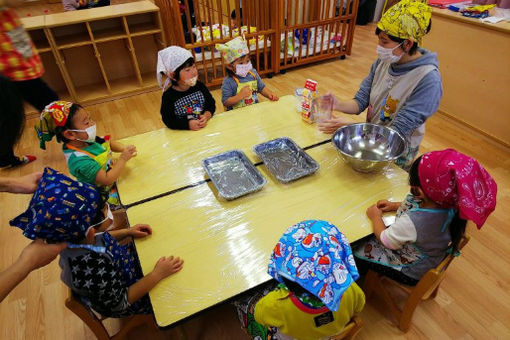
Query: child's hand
(246, 92)
(140, 230)
(273, 97)
(167, 266)
(128, 153)
(374, 212)
(194, 124)
(204, 118)
(385, 205)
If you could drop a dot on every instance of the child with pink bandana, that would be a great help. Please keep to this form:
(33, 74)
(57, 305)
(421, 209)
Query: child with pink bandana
(447, 189)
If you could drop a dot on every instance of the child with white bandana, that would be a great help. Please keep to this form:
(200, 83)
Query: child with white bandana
(186, 104)
(243, 84)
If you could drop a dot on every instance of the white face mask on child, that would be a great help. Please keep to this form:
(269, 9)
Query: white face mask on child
(191, 81)
(242, 70)
(109, 216)
(91, 132)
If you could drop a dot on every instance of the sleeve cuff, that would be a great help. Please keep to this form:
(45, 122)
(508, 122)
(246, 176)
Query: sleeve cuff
(386, 242)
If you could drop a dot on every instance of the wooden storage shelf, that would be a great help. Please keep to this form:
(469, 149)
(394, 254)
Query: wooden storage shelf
(110, 29)
(99, 54)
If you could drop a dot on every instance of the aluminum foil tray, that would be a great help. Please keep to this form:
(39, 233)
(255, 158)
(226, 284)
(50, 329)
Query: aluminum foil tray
(233, 174)
(285, 160)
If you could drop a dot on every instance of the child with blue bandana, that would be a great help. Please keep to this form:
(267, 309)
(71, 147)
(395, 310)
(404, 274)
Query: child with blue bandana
(101, 272)
(316, 295)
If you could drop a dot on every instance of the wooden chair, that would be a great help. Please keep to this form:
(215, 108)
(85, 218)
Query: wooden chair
(95, 322)
(426, 288)
(350, 330)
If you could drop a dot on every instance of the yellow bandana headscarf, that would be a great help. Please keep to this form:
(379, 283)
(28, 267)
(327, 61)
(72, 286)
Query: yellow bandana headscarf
(407, 19)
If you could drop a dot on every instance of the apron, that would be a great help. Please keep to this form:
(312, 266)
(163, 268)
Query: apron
(104, 159)
(409, 255)
(254, 92)
(388, 95)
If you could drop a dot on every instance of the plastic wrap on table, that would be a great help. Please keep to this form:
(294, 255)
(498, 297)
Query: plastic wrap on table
(226, 245)
(285, 160)
(233, 174)
(168, 160)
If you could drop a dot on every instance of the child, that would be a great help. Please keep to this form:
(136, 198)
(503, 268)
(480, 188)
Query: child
(20, 63)
(102, 273)
(241, 86)
(73, 5)
(88, 157)
(403, 88)
(317, 295)
(187, 104)
(447, 188)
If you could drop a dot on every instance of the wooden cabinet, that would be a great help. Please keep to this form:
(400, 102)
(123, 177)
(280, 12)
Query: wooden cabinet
(98, 54)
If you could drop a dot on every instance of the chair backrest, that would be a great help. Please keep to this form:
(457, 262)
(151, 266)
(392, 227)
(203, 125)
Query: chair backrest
(435, 276)
(350, 330)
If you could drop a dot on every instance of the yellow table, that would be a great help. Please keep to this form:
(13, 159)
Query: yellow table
(169, 159)
(226, 244)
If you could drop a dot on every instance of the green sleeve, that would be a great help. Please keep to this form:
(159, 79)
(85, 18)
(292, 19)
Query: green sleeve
(84, 168)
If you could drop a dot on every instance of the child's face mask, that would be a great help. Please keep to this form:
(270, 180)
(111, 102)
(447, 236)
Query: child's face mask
(242, 70)
(91, 133)
(109, 216)
(191, 81)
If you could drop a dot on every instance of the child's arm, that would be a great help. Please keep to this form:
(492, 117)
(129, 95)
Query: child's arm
(210, 103)
(119, 147)
(170, 119)
(245, 93)
(386, 205)
(109, 177)
(268, 94)
(375, 216)
(137, 231)
(165, 267)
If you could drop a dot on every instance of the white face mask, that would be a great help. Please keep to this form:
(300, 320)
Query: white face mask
(91, 132)
(191, 81)
(109, 216)
(242, 70)
(386, 54)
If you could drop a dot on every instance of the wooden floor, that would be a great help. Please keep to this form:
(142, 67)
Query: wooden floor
(473, 302)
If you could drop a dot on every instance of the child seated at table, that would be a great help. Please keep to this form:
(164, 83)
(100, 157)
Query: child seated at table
(186, 104)
(73, 5)
(88, 156)
(447, 188)
(104, 274)
(242, 84)
(316, 295)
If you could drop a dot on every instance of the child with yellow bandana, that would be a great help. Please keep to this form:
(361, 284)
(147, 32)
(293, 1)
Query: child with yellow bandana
(404, 86)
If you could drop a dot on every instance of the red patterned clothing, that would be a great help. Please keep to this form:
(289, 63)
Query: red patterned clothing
(19, 60)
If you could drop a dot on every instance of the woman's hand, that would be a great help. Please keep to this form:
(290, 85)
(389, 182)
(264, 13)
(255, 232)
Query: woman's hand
(331, 125)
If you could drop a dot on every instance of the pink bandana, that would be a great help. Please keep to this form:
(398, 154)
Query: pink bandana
(454, 180)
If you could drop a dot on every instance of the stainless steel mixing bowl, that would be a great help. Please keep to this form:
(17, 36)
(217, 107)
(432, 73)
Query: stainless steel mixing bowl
(368, 147)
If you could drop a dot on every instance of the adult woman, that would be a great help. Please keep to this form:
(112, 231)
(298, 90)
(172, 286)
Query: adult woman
(404, 86)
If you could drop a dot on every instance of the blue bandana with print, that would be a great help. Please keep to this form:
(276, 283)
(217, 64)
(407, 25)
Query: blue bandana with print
(318, 257)
(61, 209)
